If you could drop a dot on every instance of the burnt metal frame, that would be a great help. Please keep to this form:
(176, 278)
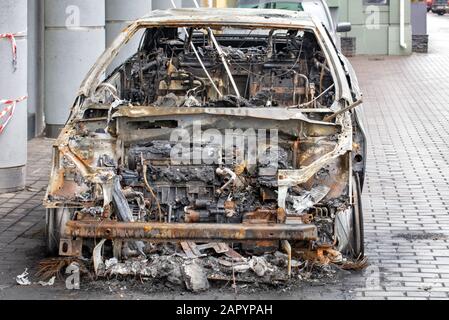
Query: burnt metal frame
(190, 232)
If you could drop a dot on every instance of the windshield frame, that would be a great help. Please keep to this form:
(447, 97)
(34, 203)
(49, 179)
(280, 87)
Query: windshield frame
(96, 75)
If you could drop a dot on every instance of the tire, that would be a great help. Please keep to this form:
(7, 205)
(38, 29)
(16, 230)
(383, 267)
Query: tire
(358, 244)
(55, 220)
(441, 13)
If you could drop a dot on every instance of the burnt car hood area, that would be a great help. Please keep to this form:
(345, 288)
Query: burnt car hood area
(228, 143)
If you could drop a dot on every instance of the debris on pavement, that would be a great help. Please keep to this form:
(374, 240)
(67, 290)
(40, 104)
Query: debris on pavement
(194, 276)
(323, 255)
(196, 267)
(357, 265)
(168, 266)
(53, 267)
(48, 283)
(259, 265)
(155, 267)
(22, 279)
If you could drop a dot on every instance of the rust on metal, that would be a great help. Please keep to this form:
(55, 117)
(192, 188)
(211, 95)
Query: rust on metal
(192, 232)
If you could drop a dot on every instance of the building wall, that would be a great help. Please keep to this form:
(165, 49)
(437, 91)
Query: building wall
(375, 28)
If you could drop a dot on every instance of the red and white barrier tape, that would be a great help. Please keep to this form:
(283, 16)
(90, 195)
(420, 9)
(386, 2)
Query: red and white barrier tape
(12, 38)
(8, 112)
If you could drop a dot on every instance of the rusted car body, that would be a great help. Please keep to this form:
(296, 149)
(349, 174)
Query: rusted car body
(270, 78)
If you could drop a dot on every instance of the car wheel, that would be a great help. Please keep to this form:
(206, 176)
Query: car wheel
(357, 220)
(55, 221)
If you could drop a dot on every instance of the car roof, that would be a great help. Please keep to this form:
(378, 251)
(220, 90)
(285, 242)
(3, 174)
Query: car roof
(230, 16)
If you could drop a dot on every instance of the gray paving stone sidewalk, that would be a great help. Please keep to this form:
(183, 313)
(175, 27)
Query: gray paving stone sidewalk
(406, 197)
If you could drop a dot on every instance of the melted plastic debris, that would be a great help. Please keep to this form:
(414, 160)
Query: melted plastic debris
(167, 267)
(22, 279)
(309, 198)
(195, 276)
(48, 283)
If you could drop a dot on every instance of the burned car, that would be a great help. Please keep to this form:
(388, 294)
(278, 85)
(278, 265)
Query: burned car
(226, 126)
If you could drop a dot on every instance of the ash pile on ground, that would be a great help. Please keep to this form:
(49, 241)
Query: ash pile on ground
(168, 269)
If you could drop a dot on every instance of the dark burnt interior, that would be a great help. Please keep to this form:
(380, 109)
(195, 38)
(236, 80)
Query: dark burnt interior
(276, 68)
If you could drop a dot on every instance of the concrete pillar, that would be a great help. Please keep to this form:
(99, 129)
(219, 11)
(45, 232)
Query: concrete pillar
(120, 14)
(35, 68)
(420, 38)
(13, 140)
(74, 39)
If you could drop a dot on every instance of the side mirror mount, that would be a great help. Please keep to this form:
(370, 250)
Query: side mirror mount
(344, 27)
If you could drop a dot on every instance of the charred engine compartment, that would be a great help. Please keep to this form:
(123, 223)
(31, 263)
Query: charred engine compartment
(273, 69)
(201, 193)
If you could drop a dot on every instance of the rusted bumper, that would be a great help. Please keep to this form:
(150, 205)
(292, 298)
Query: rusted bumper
(190, 231)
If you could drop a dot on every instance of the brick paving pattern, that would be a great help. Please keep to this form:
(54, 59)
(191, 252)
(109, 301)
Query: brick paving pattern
(406, 199)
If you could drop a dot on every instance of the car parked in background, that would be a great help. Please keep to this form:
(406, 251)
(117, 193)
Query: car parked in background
(316, 8)
(440, 7)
